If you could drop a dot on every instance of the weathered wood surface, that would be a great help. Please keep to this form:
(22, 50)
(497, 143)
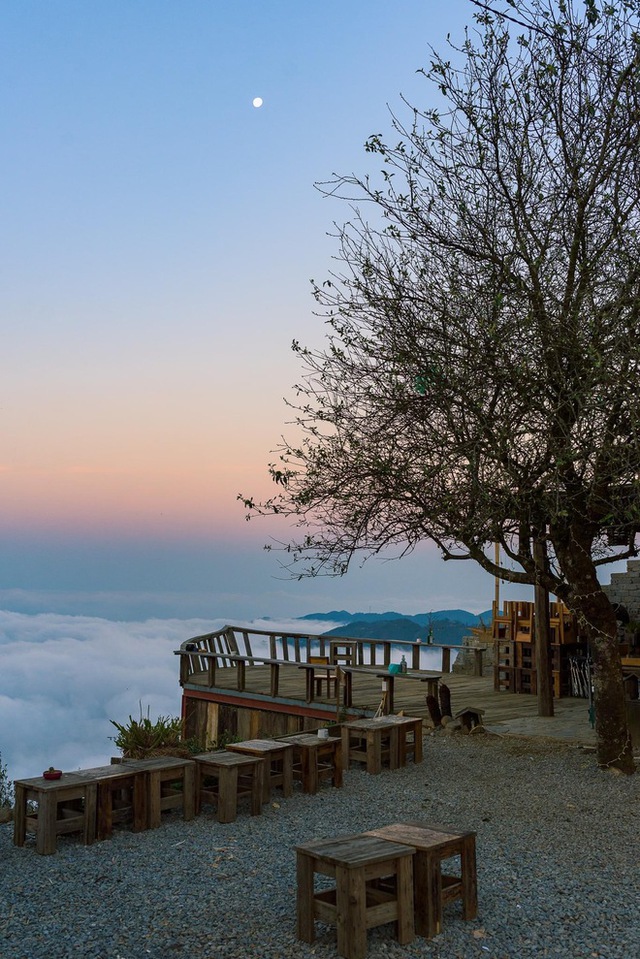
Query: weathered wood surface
(355, 906)
(223, 777)
(466, 691)
(433, 845)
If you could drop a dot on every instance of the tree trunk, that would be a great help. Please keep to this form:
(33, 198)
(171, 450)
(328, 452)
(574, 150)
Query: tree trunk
(597, 621)
(612, 732)
(542, 638)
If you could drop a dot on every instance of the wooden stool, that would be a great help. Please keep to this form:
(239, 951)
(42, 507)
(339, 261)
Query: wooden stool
(409, 738)
(65, 805)
(315, 760)
(169, 784)
(121, 797)
(431, 888)
(371, 741)
(278, 756)
(355, 904)
(223, 777)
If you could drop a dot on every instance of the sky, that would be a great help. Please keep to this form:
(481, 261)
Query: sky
(157, 238)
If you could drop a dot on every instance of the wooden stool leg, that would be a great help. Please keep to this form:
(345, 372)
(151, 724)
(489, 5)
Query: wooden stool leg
(351, 908)
(257, 787)
(309, 763)
(338, 766)
(154, 794)
(90, 813)
(287, 773)
(20, 816)
(394, 750)
(140, 811)
(404, 892)
(469, 878)
(46, 829)
(227, 793)
(418, 754)
(346, 741)
(188, 793)
(434, 894)
(305, 927)
(374, 751)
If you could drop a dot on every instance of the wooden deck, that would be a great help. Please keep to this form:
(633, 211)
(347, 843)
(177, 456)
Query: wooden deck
(232, 689)
(515, 711)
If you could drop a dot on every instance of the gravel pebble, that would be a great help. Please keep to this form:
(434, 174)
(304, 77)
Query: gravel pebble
(557, 849)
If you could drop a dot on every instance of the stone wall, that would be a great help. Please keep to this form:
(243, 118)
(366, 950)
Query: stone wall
(625, 589)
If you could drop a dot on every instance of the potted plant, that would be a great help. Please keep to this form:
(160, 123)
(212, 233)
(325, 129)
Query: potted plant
(52, 773)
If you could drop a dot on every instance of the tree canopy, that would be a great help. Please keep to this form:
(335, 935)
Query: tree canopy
(479, 382)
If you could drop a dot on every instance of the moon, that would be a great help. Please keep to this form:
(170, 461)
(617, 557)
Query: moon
(257, 102)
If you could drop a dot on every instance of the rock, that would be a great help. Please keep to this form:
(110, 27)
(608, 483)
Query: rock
(453, 727)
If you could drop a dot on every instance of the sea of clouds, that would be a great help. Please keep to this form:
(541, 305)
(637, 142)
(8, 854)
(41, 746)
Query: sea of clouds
(63, 678)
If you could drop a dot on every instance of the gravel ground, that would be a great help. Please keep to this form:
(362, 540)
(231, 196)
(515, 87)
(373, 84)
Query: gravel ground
(557, 848)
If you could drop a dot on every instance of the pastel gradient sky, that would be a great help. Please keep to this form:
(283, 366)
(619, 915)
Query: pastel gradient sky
(157, 239)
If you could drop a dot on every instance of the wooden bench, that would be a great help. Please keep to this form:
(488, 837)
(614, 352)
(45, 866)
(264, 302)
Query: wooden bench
(346, 674)
(223, 777)
(432, 889)
(356, 903)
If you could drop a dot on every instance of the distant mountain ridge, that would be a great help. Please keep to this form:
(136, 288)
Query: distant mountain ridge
(423, 619)
(448, 626)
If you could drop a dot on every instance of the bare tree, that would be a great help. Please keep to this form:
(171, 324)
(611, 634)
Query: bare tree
(480, 378)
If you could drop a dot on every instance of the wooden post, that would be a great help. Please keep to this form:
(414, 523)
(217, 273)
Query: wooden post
(542, 633)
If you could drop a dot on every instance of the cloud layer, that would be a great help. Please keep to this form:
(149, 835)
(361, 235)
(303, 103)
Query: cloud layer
(63, 678)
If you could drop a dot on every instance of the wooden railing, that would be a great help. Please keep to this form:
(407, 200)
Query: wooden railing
(228, 646)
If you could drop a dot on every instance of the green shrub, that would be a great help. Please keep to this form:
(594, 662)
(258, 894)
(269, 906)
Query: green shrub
(6, 786)
(141, 737)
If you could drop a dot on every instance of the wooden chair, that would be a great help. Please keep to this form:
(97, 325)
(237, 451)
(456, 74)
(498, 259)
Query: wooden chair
(524, 623)
(343, 652)
(321, 676)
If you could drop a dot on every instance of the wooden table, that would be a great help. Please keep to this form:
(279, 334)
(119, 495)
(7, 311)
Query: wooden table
(316, 759)
(278, 756)
(355, 904)
(432, 845)
(223, 777)
(370, 741)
